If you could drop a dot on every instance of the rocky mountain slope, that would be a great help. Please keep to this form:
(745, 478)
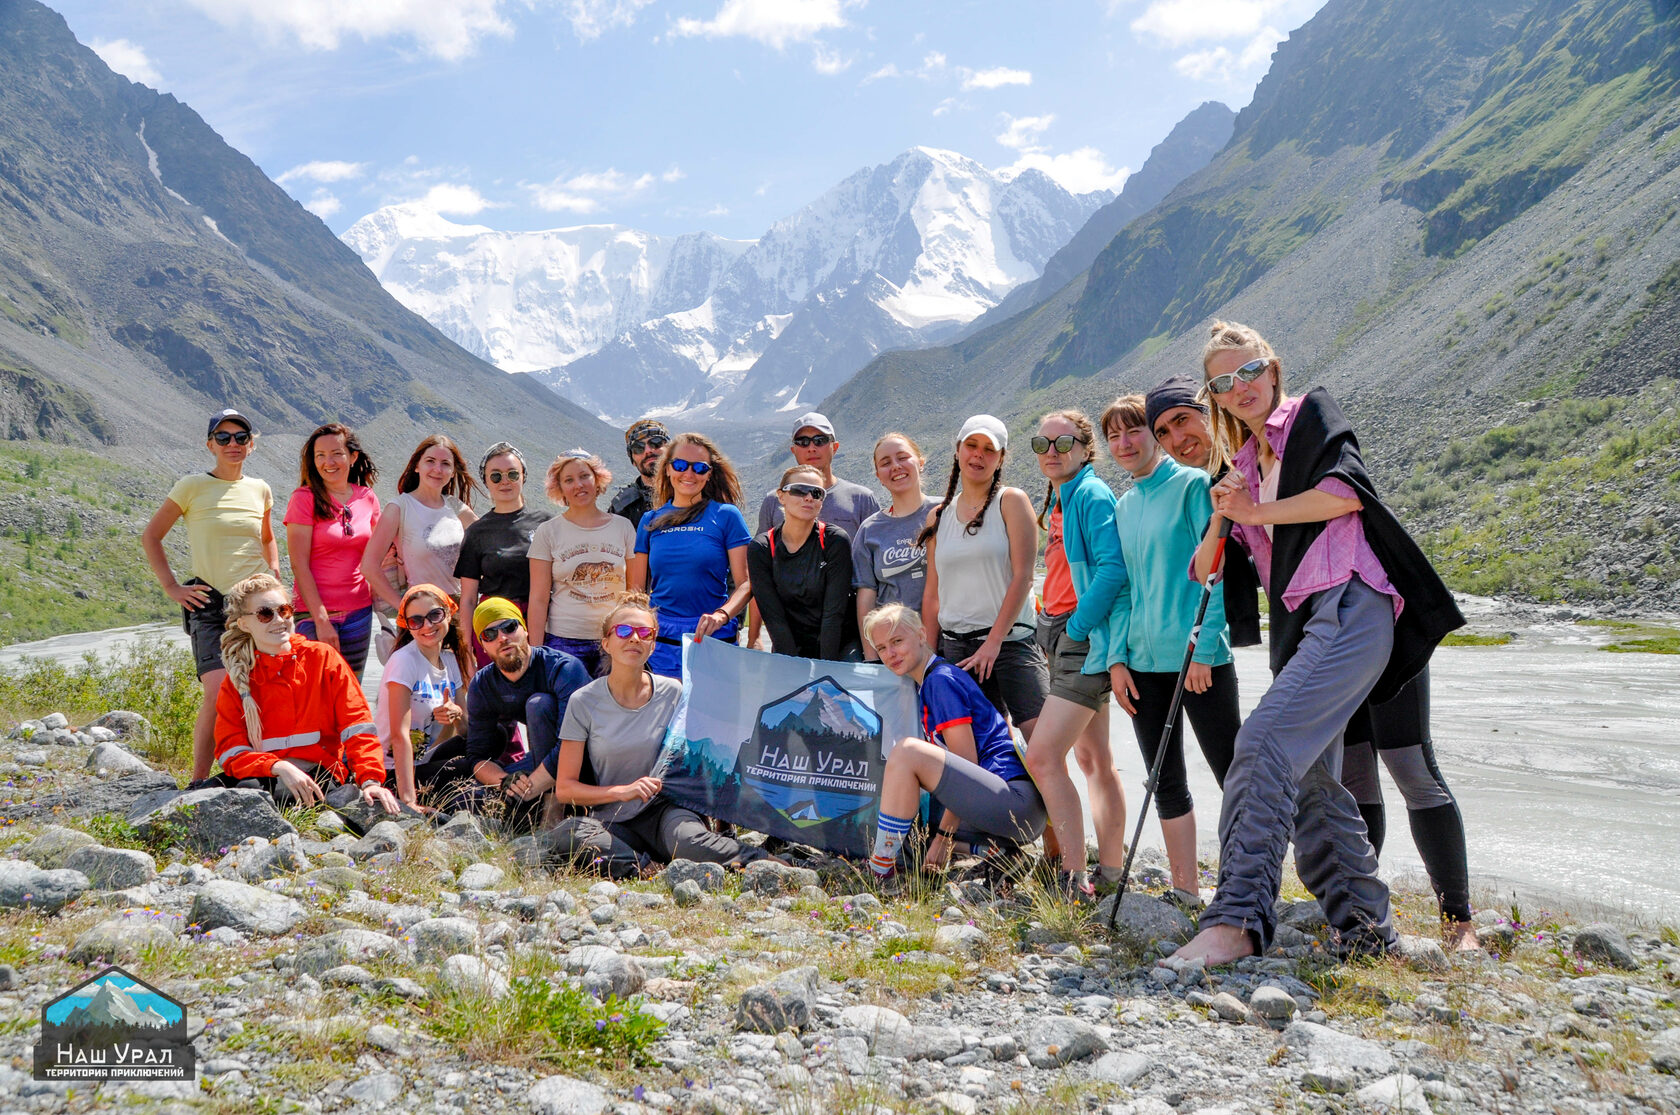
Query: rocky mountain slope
(1457, 216)
(149, 272)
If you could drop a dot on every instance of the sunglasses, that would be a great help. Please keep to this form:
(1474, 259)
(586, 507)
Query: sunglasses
(1248, 373)
(344, 521)
(1064, 444)
(428, 619)
(497, 475)
(265, 614)
(655, 442)
(223, 437)
(498, 631)
(699, 468)
(625, 630)
(807, 491)
(805, 441)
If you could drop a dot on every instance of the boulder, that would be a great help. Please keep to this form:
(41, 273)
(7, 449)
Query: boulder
(362, 816)
(772, 877)
(112, 757)
(346, 946)
(386, 836)
(959, 940)
(465, 832)
(25, 885)
(1059, 1041)
(469, 975)
(614, 974)
(565, 1095)
(248, 909)
(1334, 1057)
(54, 845)
(208, 821)
(1147, 919)
(1399, 1092)
(117, 795)
(706, 876)
(55, 721)
(1273, 1004)
(437, 938)
(1604, 944)
(687, 892)
(1423, 954)
(283, 857)
(1124, 1069)
(480, 876)
(120, 940)
(783, 1003)
(112, 868)
(126, 725)
(1665, 1051)
(885, 1030)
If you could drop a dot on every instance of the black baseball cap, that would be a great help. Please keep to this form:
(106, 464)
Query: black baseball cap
(228, 415)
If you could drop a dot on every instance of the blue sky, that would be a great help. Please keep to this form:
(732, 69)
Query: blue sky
(675, 115)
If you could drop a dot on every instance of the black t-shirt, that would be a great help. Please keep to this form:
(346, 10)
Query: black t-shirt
(496, 553)
(806, 596)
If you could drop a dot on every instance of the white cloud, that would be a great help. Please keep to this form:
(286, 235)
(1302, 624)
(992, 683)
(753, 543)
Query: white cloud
(1080, 171)
(453, 200)
(1221, 64)
(995, 78)
(1241, 34)
(590, 191)
(447, 29)
(128, 59)
(1178, 22)
(1213, 63)
(775, 23)
(829, 63)
(323, 204)
(593, 18)
(331, 170)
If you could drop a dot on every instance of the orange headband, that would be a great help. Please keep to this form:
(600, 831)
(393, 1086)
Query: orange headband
(423, 590)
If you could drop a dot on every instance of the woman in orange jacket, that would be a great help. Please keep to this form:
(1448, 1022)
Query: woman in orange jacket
(290, 717)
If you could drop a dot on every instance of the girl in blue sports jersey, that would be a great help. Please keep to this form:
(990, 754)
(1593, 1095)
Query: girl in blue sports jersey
(967, 762)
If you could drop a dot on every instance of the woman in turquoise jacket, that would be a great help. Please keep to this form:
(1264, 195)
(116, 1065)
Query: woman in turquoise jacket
(1160, 521)
(1084, 575)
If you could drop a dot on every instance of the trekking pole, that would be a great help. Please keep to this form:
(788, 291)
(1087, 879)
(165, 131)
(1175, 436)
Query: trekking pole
(1172, 716)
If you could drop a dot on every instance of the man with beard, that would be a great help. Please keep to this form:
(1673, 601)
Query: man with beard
(644, 441)
(521, 685)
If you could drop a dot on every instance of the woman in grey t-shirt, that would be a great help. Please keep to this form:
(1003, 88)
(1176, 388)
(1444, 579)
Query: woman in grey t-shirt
(888, 565)
(618, 723)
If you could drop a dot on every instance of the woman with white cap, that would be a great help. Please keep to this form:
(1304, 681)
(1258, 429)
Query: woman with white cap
(230, 537)
(982, 545)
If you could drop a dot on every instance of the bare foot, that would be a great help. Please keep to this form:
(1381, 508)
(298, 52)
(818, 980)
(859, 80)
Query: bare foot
(1218, 944)
(1460, 936)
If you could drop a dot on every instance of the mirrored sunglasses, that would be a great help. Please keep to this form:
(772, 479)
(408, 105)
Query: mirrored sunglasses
(625, 630)
(805, 441)
(699, 468)
(1248, 373)
(499, 630)
(806, 491)
(655, 441)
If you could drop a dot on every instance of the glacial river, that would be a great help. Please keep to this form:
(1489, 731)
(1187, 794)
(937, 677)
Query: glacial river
(1565, 760)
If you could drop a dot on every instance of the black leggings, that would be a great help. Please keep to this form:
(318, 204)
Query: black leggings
(1215, 716)
(1398, 730)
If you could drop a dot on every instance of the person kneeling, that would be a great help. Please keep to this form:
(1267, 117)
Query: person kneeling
(290, 716)
(968, 762)
(618, 723)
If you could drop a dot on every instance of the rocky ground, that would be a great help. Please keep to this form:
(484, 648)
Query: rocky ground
(330, 963)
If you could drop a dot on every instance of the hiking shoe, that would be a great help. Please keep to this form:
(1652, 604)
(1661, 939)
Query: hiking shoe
(1188, 901)
(890, 885)
(1073, 886)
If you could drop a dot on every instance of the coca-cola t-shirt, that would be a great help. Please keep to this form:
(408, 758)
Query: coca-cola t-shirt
(885, 557)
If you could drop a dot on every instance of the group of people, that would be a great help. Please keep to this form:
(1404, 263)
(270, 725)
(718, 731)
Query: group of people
(537, 657)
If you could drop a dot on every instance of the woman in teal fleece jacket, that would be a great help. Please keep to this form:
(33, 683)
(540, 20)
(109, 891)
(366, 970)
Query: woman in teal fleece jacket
(1084, 574)
(1160, 522)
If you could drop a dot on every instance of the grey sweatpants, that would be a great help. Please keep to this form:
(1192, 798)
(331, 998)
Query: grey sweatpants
(1285, 781)
(662, 831)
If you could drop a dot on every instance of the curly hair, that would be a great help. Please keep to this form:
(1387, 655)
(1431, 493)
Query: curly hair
(362, 470)
(551, 482)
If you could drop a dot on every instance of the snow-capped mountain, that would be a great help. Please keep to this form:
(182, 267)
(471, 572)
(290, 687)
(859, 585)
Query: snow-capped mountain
(898, 255)
(528, 301)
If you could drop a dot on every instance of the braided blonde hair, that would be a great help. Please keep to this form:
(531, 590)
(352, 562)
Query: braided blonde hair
(239, 650)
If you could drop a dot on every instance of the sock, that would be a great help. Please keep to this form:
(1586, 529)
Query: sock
(889, 837)
(1376, 825)
(1108, 874)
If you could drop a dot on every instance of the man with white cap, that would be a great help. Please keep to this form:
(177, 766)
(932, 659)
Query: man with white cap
(846, 505)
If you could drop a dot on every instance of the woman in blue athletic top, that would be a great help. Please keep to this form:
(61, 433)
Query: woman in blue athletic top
(691, 548)
(968, 761)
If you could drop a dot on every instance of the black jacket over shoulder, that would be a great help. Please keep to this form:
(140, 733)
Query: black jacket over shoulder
(1322, 444)
(1241, 585)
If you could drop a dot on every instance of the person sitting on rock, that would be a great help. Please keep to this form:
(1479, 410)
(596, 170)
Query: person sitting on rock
(968, 761)
(521, 685)
(618, 724)
(290, 716)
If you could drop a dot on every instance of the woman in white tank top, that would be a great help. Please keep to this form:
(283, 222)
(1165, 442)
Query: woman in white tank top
(425, 522)
(982, 544)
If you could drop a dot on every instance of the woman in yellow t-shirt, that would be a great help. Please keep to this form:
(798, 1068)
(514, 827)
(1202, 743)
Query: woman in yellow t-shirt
(230, 537)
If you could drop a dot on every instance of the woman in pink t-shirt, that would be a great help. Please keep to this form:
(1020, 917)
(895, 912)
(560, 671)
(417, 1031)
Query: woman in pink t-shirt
(329, 520)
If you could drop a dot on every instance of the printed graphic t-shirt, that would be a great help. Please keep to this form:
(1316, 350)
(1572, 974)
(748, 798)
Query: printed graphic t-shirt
(588, 571)
(688, 565)
(950, 696)
(885, 557)
(428, 686)
(335, 549)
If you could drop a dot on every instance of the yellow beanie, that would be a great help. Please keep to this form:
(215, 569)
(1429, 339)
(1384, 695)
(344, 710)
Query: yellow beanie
(494, 609)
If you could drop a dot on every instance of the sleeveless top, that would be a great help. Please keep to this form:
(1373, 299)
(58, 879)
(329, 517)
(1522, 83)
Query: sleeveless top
(429, 540)
(974, 575)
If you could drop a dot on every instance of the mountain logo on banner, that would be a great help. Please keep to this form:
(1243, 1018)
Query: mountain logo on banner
(814, 757)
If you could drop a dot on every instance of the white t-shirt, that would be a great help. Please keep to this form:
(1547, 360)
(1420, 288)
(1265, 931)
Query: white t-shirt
(429, 540)
(428, 686)
(588, 570)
